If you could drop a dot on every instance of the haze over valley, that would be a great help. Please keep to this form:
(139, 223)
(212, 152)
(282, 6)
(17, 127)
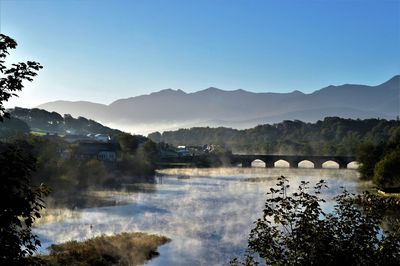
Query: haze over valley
(172, 109)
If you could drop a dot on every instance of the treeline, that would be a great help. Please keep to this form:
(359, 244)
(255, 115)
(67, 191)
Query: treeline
(332, 136)
(38, 120)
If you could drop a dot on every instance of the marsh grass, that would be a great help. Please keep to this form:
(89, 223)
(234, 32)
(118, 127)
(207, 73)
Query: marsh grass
(120, 249)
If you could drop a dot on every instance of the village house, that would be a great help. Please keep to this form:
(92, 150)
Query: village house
(96, 150)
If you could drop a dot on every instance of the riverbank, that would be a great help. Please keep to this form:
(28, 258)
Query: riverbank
(120, 249)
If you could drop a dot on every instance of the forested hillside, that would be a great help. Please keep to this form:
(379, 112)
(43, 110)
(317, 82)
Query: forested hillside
(25, 120)
(330, 136)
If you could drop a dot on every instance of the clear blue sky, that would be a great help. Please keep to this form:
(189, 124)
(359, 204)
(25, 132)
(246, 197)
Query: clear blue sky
(104, 50)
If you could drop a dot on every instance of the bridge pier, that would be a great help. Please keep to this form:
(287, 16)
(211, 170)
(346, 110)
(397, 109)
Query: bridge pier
(317, 165)
(293, 163)
(269, 164)
(246, 163)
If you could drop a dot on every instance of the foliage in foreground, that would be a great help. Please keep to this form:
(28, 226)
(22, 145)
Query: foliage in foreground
(294, 230)
(12, 77)
(20, 205)
(121, 249)
(21, 202)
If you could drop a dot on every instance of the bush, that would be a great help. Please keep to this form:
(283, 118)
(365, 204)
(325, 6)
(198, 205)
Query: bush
(91, 173)
(387, 171)
(294, 230)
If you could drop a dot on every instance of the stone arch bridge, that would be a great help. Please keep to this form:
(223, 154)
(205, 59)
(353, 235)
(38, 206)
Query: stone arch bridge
(293, 160)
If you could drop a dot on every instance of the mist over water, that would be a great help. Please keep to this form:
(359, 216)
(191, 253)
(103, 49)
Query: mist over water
(208, 213)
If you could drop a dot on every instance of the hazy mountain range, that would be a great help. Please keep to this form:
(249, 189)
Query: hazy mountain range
(171, 109)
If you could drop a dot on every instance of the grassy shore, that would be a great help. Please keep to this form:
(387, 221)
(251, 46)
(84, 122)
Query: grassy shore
(385, 194)
(120, 249)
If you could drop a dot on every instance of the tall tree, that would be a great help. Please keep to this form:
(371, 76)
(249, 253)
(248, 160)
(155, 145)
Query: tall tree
(21, 202)
(12, 77)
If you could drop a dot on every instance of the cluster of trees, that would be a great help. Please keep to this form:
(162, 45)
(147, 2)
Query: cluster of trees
(332, 136)
(136, 154)
(380, 162)
(59, 166)
(294, 230)
(13, 127)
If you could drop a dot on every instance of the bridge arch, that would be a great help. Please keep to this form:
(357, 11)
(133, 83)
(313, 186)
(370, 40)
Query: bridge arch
(282, 164)
(306, 164)
(330, 164)
(293, 161)
(258, 163)
(353, 165)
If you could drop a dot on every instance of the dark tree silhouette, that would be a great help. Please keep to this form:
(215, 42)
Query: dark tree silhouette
(19, 206)
(294, 230)
(12, 77)
(20, 201)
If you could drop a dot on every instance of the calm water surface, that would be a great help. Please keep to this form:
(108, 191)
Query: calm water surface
(208, 213)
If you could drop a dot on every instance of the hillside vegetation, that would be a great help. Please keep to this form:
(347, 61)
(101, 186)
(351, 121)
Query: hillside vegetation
(39, 120)
(68, 164)
(331, 136)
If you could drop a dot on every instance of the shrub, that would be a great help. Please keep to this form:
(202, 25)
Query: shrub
(294, 230)
(387, 171)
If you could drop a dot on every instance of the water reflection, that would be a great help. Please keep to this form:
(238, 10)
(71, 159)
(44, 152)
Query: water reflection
(208, 214)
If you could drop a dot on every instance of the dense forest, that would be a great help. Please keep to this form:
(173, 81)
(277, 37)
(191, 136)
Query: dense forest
(331, 136)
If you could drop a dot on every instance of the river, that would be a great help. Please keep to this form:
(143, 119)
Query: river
(208, 213)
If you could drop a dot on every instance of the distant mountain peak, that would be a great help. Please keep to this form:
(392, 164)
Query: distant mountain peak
(394, 81)
(168, 91)
(209, 90)
(212, 89)
(297, 92)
